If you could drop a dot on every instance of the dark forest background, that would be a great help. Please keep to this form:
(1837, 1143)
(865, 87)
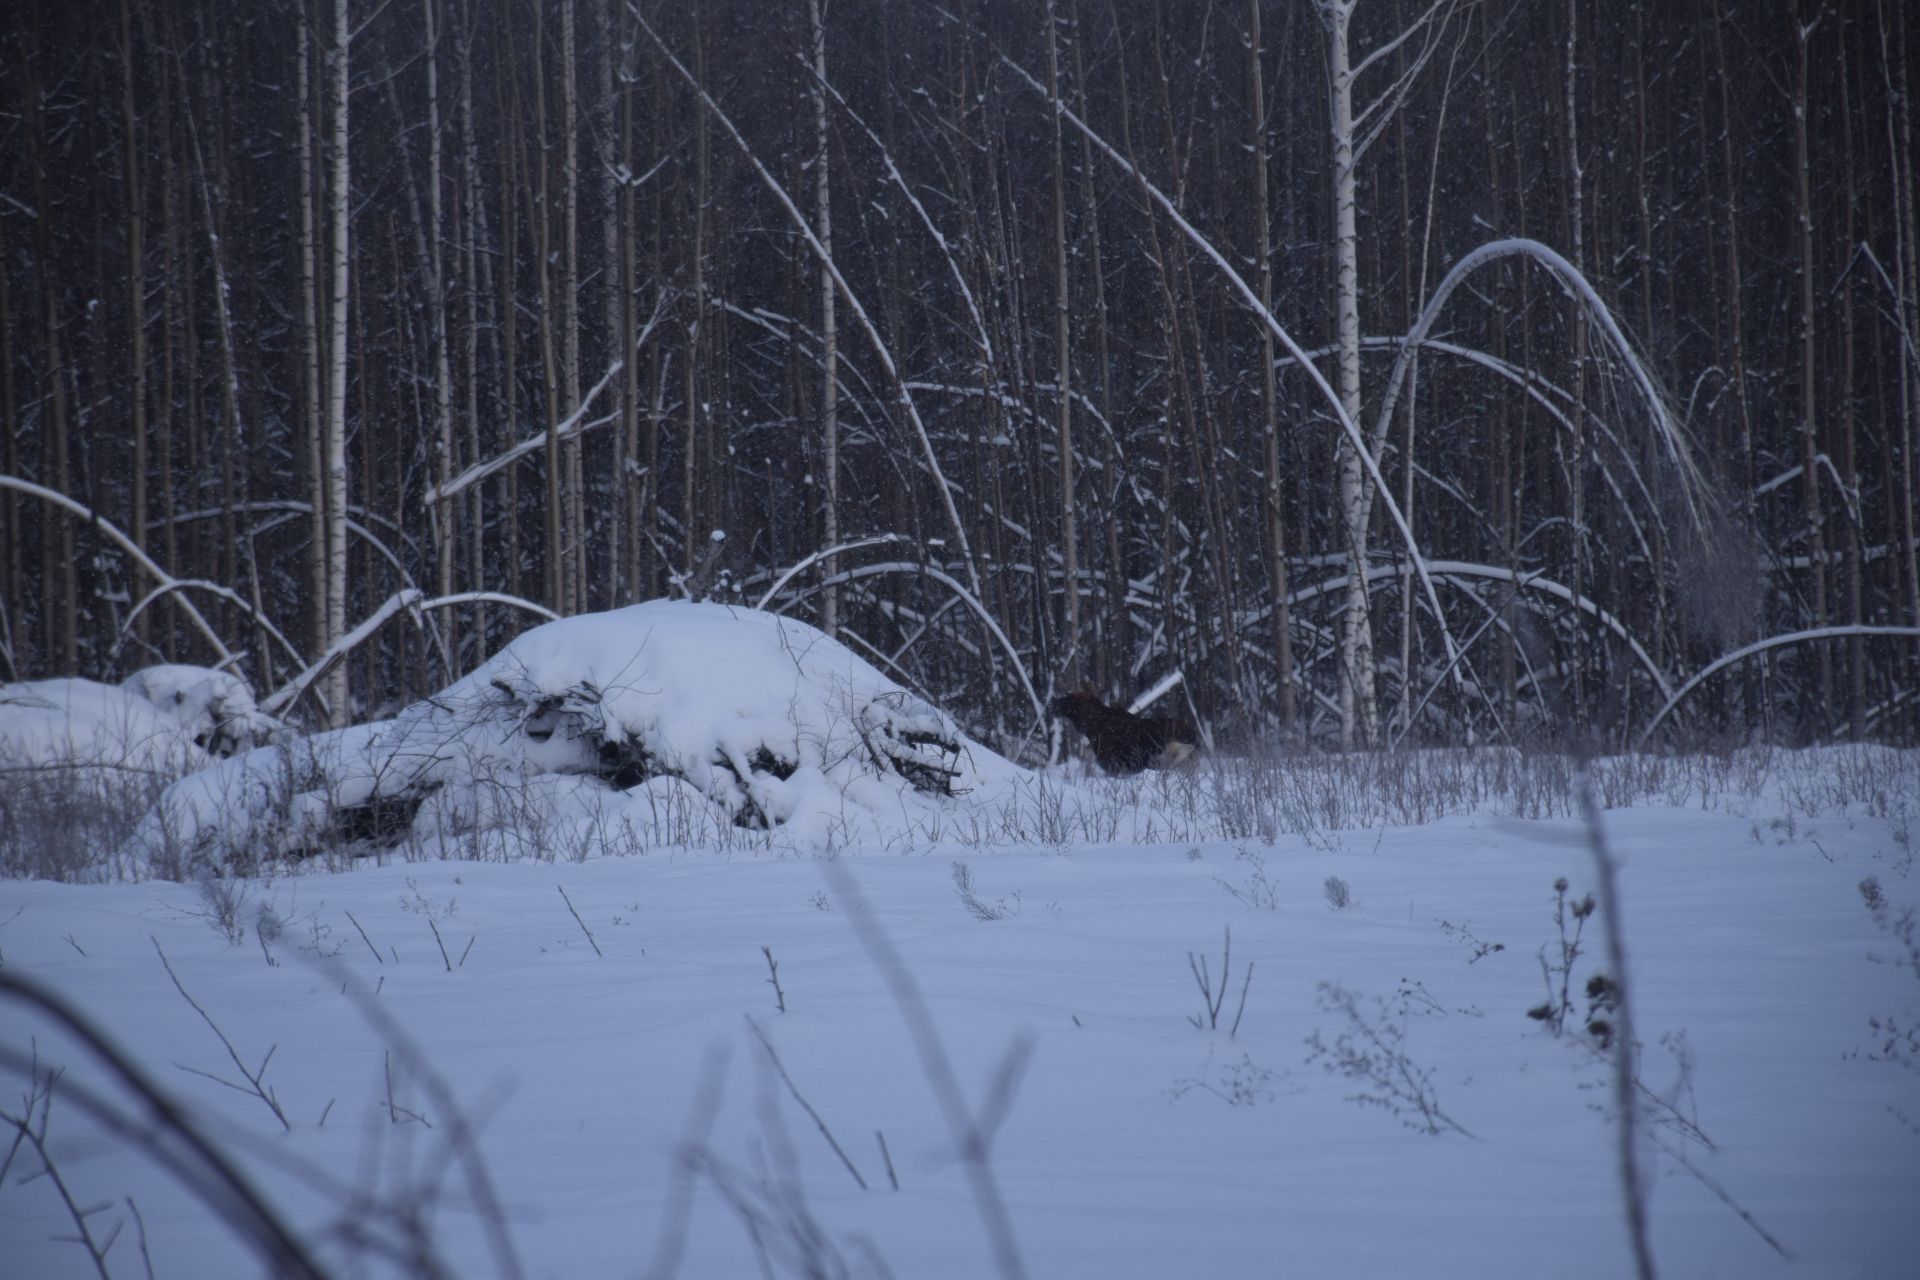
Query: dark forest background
(562, 234)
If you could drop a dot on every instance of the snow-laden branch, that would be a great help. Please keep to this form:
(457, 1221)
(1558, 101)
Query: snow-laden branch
(1252, 300)
(231, 596)
(293, 506)
(1692, 481)
(1159, 691)
(845, 290)
(972, 602)
(1761, 646)
(132, 549)
(489, 597)
(571, 426)
(287, 694)
(817, 557)
(1497, 573)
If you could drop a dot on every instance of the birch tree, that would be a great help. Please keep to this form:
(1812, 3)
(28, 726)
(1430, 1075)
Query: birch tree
(1353, 132)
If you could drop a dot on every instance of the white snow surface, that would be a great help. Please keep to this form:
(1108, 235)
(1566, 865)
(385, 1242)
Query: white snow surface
(629, 1123)
(735, 721)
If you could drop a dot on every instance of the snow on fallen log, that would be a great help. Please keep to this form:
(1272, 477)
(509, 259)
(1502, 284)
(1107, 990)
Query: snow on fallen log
(663, 723)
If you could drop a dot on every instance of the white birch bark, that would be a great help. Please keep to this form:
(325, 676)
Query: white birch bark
(1359, 709)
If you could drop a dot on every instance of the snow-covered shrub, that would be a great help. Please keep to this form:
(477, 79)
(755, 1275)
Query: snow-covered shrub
(79, 763)
(662, 723)
(83, 725)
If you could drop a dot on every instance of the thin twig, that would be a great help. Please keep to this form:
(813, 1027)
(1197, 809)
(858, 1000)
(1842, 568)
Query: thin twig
(582, 923)
(806, 1106)
(377, 957)
(1680, 1156)
(444, 958)
(1239, 1012)
(96, 1251)
(670, 1242)
(140, 1232)
(886, 1158)
(254, 1078)
(395, 1111)
(773, 968)
(197, 1163)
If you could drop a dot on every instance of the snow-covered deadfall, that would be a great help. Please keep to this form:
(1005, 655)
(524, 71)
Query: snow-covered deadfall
(662, 723)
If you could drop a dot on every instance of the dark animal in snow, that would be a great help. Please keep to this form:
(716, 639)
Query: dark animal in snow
(1122, 742)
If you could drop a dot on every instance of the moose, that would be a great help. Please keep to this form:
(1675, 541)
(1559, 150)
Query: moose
(1122, 742)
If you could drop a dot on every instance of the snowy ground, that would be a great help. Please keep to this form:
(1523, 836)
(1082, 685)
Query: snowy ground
(604, 1087)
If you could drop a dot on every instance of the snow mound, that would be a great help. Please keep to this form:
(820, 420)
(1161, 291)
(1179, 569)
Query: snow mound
(91, 728)
(661, 723)
(214, 708)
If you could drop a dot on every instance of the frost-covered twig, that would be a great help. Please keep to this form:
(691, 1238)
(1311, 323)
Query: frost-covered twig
(773, 979)
(1211, 1000)
(1375, 1054)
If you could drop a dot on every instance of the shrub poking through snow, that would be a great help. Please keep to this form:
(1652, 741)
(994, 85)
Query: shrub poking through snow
(658, 723)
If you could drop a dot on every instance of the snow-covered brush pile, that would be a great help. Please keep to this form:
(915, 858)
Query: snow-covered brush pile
(662, 723)
(80, 761)
(164, 720)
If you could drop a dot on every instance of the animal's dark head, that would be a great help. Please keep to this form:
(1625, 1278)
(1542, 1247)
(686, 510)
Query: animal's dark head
(1078, 708)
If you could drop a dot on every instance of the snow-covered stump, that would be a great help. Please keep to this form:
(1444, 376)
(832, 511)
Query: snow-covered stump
(665, 723)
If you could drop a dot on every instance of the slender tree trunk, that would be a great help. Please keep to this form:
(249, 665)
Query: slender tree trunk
(1848, 410)
(551, 311)
(473, 290)
(1359, 709)
(829, 327)
(1809, 427)
(573, 561)
(1274, 493)
(313, 391)
(445, 535)
(136, 287)
(1576, 465)
(1063, 358)
(334, 683)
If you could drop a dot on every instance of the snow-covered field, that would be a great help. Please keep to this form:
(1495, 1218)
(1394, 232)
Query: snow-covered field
(558, 1067)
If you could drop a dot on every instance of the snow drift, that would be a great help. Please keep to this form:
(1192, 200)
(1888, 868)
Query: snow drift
(661, 723)
(163, 721)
